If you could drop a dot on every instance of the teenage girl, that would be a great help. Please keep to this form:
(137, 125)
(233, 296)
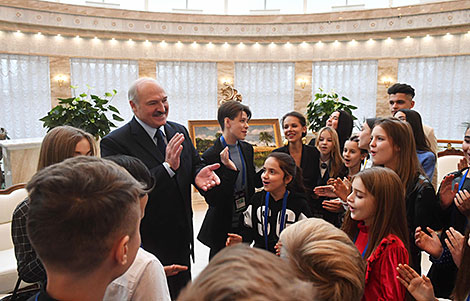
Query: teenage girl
(353, 159)
(376, 222)
(282, 195)
(331, 166)
(305, 156)
(393, 146)
(60, 143)
(342, 122)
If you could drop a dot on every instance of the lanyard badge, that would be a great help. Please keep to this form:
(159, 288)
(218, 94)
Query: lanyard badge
(283, 215)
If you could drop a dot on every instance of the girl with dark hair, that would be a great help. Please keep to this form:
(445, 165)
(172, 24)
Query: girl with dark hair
(281, 203)
(342, 122)
(376, 222)
(425, 155)
(305, 156)
(393, 146)
(366, 131)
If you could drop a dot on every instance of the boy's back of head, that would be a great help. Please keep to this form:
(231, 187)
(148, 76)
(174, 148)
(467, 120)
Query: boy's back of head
(82, 210)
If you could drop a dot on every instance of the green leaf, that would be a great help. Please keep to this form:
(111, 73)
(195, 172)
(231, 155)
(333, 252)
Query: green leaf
(117, 118)
(114, 109)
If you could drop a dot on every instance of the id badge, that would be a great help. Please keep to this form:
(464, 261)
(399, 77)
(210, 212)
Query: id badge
(240, 201)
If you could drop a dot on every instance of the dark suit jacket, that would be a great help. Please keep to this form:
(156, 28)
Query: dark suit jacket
(167, 227)
(309, 165)
(218, 220)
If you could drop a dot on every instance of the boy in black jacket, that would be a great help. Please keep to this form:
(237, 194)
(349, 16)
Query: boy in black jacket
(237, 175)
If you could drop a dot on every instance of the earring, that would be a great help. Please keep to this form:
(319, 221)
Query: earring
(304, 140)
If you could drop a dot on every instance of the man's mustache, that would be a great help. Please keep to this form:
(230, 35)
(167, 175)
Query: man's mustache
(158, 113)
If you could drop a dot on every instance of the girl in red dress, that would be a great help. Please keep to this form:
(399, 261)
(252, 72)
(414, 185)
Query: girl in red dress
(376, 222)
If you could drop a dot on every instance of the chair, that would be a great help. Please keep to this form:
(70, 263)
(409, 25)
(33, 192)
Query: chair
(9, 199)
(447, 162)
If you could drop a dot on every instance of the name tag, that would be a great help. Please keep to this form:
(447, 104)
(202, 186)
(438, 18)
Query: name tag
(240, 201)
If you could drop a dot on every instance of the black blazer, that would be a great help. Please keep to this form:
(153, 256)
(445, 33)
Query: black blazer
(218, 220)
(309, 165)
(167, 227)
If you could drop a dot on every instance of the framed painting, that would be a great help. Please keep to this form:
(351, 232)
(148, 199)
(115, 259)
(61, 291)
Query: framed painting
(263, 134)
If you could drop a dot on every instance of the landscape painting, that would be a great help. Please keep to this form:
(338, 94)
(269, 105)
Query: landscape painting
(263, 134)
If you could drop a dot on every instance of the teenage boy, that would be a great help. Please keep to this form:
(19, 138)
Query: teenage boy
(400, 96)
(83, 222)
(237, 174)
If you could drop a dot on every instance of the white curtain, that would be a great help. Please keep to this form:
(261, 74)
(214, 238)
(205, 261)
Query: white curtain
(267, 88)
(103, 76)
(442, 88)
(356, 80)
(191, 88)
(25, 94)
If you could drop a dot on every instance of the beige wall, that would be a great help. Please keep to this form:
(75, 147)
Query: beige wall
(229, 39)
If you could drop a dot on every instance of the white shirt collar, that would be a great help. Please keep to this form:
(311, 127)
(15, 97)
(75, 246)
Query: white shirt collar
(150, 130)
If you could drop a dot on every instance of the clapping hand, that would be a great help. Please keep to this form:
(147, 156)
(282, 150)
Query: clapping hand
(447, 192)
(342, 188)
(454, 242)
(333, 205)
(463, 163)
(278, 248)
(325, 191)
(430, 244)
(462, 201)
(173, 151)
(419, 287)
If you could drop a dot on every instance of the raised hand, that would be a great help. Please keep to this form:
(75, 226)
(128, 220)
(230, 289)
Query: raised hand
(233, 239)
(454, 242)
(462, 201)
(463, 163)
(173, 151)
(419, 287)
(342, 188)
(430, 244)
(447, 192)
(225, 159)
(172, 270)
(207, 178)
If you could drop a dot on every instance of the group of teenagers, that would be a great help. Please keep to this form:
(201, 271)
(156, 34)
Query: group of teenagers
(376, 186)
(345, 217)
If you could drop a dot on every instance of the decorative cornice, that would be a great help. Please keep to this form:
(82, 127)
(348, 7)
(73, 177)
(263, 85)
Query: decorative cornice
(53, 15)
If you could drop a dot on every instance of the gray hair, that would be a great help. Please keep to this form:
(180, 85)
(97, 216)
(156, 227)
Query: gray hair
(133, 89)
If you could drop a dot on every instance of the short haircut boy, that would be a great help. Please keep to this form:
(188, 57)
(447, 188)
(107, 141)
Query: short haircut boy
(243, 273)
(401, 88)
(231, 109)
(78, 209)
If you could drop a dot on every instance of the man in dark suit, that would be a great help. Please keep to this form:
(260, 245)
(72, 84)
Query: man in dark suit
(237, 174)
(166, 149)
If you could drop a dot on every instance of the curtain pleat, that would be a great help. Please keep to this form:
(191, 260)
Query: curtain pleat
(267, 88)
(442, 87)
(25, 94)
(191, 88)
(104, 76)
(356, 80)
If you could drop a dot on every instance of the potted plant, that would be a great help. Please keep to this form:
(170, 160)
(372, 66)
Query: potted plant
(85, 111)
(321, 107)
